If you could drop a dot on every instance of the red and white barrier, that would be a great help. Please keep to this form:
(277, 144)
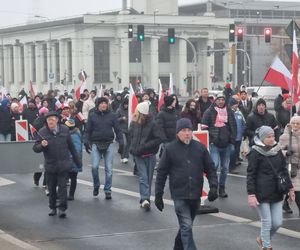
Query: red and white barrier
(21, 130)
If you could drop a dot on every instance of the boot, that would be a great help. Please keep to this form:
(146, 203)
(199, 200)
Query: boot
(222, 193)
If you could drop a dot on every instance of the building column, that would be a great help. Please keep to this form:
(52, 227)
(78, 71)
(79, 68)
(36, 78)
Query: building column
(17, 65)
(154, 64)
(62, 59)
(27, 63)
(50, 65)
(124, 62)
(182, 67)
(6, 66)
(210, 64)
(76, 65)
(87, 60)
(39, 67)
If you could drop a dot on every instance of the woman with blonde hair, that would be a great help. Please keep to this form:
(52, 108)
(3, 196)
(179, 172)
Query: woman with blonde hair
(144, 144)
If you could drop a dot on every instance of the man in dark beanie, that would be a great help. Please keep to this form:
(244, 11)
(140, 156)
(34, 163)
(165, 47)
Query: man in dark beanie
(185, 161)
(100, 132)
(259, 117)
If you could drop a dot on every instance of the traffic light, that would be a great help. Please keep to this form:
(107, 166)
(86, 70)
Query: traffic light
(240, 34)
(140, 33)
(231, 32)
(171, 35)
(268, 35)
(130, 31)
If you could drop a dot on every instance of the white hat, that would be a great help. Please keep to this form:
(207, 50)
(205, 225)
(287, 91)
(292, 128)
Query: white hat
(143, 108)
(14, 106)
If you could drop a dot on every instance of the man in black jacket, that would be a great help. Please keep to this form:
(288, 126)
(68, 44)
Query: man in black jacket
(101, 128)
(185, 161)
(55, 142)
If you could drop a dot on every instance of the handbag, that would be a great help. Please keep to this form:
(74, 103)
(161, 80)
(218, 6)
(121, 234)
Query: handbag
(284, 183)
(102, 146)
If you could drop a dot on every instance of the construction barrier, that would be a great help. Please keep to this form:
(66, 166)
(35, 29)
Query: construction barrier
(21, 130)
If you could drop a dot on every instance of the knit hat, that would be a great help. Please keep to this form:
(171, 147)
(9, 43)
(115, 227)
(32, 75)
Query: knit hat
(143, 108)
(233, 102)
(220, 95)
(168, 100)
(295, 118)
(263, 132)
(228, 85)
(261, 101)
(43, 111)
(183, 123)
(70, 123)
(100, 100)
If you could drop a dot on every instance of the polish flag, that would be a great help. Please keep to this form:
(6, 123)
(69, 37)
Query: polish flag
(161, 96)
(58, 105)
(82, 86)
(170, 90)
(133, 102)
(80, 116)
(279, 75)
(100, 91)
(295, 68)
(23, 102)
(32, 130)
(31, 90)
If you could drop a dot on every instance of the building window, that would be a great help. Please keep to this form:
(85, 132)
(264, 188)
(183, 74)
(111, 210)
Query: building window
(164, 51)
(22, 64)
(135, 51)
(33, 63)
(69, 68)
(57, 65)
(101, 61)
(45, 63)
(189, 51)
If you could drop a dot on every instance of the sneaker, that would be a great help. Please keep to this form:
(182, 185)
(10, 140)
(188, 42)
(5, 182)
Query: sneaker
(146, 205)
(52, 212)
(108, 195)
(46, 191)
(62, 213)
(96, 191)
(36, 183)
(125, 160)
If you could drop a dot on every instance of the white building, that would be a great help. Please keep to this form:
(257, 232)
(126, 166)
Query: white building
(48, 53)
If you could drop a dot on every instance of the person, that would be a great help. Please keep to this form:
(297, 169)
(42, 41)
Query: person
(192, 112)
(88, 105)
(144, 144)
(222, 134)
(245, 105)
(292, 132)
(5, 121)
(185, 161)
(102, 125)
(259, 117)
(266, 155)
(76, 139)
(79, 104)
(55, 142)
(204, 101)
(116, 102)
(227, 92)
(284, 109)
(15, 115)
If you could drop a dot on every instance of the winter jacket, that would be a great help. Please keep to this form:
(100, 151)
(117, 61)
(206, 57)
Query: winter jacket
(30, 115)
(116, 104)
(204, 105)
(261, 179)
(295, 158)
(57, 158)
(282, 115)
(215, 133)
(102, 127)
(256, 120)
(246, 110)
(194, 117)
(121, 112)
(185, 166)
(144, 139)
(240, 125)
(5, 121)
(14, 118)
(76, 139)
(87, 106)
(39, 122)
(166, 121)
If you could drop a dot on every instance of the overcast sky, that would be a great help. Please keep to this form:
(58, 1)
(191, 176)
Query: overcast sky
(14, 12)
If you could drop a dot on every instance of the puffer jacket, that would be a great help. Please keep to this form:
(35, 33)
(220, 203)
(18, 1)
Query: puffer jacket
(76, 139)
(295, 158)
(57, 158)
(5, 121)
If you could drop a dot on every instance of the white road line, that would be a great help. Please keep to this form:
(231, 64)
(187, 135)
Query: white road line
(11, 239)
(229, 217)
(4, 182)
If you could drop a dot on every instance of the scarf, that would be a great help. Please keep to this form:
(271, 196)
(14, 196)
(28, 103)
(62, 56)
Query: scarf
(262, 149)
(222, 117)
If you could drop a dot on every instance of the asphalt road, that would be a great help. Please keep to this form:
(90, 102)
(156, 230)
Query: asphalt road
(96, 223)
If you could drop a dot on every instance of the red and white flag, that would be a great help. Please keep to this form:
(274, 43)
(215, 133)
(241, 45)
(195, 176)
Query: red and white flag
(132, 103)
(33, 130)
(161, 96)
(100, 91)
(80, 116)
(170, 90)
(279, 75)
(295, 68)
(82, 86)
(31, 90)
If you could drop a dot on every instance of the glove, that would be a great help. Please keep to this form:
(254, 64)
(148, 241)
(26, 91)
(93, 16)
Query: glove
(289, 153)
(212, 194)
(87, 148)
(159, 203)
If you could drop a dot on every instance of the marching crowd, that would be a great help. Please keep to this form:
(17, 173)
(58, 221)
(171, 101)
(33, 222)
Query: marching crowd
(240, 128)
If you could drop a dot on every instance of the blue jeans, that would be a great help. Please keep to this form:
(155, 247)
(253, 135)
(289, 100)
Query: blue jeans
(186, 211)
(108, 161)
(221, 157)
(145, 167)
(234, 154)
(5, 138)
(271, 219)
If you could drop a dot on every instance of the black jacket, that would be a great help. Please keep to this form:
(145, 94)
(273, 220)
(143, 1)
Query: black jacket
(283, 115)
(261, 179)
(185, 166)
(101, 127)
(246, 110)
(5, 121)
(204, 105)
(166, 121)
(121, 112)
(30, 115)
(144, 139)
(57, 158)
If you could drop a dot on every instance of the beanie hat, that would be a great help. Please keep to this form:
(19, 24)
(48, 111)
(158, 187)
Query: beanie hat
(263, 132)
(233, 102)
(43, 111)
(220, 95)
(168, 100)
(261, 101)
(101, 99)
(143, 108)
(295, 118)
(183, 123)
(228, 85)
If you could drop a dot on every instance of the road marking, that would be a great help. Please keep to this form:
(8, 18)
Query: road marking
(11, 239)
(4, 182)
(229, 217)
